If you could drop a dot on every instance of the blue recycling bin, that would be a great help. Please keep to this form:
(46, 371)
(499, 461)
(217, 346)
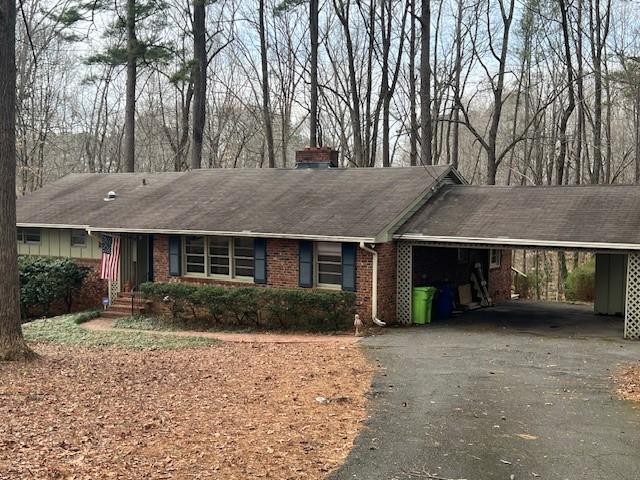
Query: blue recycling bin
(444, 301)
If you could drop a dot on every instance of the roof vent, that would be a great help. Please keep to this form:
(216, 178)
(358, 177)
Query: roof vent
(110, 196)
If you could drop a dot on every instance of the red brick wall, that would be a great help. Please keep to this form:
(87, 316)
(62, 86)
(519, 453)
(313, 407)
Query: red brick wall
(499, 284)
(161, 258)
(282, 263)
(282, 271)
(387, 281)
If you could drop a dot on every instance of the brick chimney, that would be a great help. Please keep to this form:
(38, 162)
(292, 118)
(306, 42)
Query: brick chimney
(317, 157)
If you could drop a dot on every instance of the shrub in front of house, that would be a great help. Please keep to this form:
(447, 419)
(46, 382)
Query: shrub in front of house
(212, 306)
(45, 281)
(580, 283)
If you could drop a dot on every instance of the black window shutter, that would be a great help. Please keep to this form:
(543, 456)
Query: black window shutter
(306, 263)
(349, 267)
(175, 248)
(260, 260)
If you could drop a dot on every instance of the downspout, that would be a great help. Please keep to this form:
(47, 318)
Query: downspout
(374, 285)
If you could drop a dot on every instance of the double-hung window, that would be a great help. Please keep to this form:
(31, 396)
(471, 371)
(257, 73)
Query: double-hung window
(78, 238)
(494, 258)
(29, 235)
(219, 257)
(328, 264)
(243, 257)
(194, 254)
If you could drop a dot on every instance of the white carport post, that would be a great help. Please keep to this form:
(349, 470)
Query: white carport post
(404, 273)
(632, 300)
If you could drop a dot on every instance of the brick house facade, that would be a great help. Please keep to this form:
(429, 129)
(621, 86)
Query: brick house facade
(313, 226)
(283, 270)
(500, 279)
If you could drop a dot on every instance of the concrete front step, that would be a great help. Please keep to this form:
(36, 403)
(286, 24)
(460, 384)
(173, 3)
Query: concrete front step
(121, 307)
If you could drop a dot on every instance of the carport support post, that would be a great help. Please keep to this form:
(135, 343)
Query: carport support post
(404, 273)
(632, 299)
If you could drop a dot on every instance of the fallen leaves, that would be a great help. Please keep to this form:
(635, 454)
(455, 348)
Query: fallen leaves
(230, 411)
(628, 382)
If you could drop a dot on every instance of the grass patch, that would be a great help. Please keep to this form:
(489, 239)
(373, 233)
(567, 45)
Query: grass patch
(66, 329)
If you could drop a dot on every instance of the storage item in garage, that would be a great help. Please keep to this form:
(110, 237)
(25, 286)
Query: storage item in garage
(422, 304)
(444, 301)
(466, 298)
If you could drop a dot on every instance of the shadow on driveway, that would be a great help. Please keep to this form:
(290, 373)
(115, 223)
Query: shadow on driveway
(523, 389)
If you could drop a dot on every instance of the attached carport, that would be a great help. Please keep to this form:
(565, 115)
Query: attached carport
(604, 220)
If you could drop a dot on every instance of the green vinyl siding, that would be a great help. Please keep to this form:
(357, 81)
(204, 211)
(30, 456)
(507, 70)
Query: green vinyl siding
(56, 242)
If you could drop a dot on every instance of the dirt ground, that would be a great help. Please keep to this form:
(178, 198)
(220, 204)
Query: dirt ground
(229, 411)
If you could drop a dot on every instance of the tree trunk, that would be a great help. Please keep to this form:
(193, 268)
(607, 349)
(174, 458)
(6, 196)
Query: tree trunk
(313, 102)
(413, 128)
(12, 344)
(199, 81)
(130, 107)
(580, 130)
(636, 124)
(266, 103)
(566, 114)
(384, 89)
(425, 84)
(455, 149)
(492, 160)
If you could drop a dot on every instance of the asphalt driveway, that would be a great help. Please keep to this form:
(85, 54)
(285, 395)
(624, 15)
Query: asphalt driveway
(521, 391)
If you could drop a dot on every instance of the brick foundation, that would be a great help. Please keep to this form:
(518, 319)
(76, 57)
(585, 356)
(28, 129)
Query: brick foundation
(499, 284)
(282, 272)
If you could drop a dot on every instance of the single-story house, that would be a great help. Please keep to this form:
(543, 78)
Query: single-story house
(377, 232)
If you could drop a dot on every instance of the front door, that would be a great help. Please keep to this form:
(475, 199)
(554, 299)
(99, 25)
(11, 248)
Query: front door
(135, 264)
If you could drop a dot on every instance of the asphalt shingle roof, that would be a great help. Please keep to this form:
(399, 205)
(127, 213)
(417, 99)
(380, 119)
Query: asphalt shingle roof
(347, 203)
(604, 214)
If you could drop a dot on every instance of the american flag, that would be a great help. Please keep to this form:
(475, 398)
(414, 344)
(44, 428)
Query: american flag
(110, 266)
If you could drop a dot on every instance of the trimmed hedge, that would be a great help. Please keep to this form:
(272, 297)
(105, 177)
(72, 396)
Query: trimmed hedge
(45, 280)
(213, 305)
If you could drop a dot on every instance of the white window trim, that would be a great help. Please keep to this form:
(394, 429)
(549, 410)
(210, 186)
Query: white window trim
(316, 272)
(493, 264)
(231, 277)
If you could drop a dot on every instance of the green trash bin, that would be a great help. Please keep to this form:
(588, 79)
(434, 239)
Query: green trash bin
(421, 304)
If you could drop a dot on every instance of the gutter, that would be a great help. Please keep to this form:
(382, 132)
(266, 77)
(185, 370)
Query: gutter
(518, 242)
(244, 233)
(374, 285)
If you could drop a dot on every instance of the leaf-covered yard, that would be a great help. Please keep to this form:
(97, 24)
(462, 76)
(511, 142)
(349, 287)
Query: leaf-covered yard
(228, 411)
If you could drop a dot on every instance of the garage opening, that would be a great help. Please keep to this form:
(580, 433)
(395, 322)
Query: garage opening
(464, 279)
(470, 278)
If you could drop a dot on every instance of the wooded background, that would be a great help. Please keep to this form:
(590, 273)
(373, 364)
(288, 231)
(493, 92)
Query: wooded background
(528, 92)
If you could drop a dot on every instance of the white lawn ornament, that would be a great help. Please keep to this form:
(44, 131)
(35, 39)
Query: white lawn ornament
(357, 323)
